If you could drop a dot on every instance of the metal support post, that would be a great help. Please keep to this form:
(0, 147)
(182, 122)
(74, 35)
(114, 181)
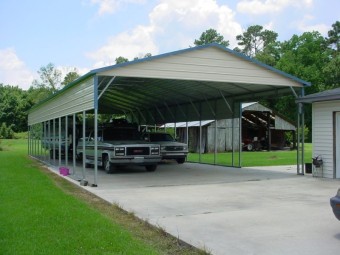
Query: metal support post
(66, 141)
(240, 135)
(95, 182)
(74, 144)
(54, 139)
(29, 141)
(59, 148)
(84, 148)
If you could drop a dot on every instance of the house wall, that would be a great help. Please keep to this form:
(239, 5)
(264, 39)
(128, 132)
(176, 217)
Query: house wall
(323, 134)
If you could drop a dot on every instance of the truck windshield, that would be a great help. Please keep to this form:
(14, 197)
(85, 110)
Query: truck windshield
(161, 137)
(119, 134)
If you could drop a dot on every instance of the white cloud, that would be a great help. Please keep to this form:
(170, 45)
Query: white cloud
(171, 22)
(13, 71)
(129, 45)
(191, 18)
(260, 7)
(304, 26)
(110, 6)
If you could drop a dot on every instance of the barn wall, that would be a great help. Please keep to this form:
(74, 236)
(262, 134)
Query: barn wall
(224, 135)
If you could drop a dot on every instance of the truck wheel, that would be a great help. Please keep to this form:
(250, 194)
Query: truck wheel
(107, 165)
(180, 160)
(250, 147)
(151, 168)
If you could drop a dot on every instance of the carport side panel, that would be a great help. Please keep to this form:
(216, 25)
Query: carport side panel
(73, 100)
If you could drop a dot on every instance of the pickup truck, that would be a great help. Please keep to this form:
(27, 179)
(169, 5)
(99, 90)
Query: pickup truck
(120, 145)
(170, 148)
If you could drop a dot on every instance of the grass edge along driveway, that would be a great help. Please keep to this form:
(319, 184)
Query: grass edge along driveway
(41, 213)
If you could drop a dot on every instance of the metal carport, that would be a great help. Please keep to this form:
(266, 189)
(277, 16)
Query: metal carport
(199, 83)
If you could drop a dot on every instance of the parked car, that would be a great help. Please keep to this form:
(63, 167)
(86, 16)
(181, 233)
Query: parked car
(119, 145)
(335, 204)
(170, 148)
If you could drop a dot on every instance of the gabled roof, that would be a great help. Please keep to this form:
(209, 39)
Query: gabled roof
(208, 80)
(202, 47)
(327, 95)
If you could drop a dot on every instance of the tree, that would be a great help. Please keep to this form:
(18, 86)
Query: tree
(332, 69)
(147, 55)
(121, 59)
(256, 40)
(14, 107)
(50, 78)
(305, 57)
(70, 77)
(334, 37)
(211, 36)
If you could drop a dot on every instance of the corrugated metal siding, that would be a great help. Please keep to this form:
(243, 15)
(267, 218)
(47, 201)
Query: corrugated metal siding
(205, 65)
(224, 135)
(73, 100)
(256, 107)
(323, 134)
(281, 124)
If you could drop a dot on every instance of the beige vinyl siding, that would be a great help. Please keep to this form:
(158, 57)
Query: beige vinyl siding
(204, 65)
(323, 134)
(73, 100)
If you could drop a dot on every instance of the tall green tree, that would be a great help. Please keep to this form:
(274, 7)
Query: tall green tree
(305, 56)
(211, 36)
(50, 78)
(256, 40)
(334, 36)
(13, 107)
(70, 77)
(121, 59)
(332, 69)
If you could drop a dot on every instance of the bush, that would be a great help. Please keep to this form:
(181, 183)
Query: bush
(6, 132)
(21, 135)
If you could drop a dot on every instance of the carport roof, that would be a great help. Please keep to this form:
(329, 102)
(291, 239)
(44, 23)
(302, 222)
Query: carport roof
(198, 82)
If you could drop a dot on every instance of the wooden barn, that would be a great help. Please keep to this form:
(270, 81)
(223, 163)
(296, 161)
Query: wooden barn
(262, 129)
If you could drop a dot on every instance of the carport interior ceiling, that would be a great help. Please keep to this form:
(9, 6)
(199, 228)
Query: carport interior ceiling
(204, 82)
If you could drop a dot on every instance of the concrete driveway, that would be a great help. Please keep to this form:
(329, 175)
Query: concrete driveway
(268, 210)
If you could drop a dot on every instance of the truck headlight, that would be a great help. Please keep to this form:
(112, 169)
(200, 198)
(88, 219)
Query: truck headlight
(120, 151)
(154, 150)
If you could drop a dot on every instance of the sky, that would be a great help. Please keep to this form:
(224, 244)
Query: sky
(89, 34)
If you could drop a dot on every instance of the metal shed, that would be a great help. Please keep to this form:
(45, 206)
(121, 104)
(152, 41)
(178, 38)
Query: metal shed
(325, 131)
(198, 83)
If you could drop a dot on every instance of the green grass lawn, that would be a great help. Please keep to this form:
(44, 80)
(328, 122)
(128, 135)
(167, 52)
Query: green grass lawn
(254, 158)
(42, 213)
